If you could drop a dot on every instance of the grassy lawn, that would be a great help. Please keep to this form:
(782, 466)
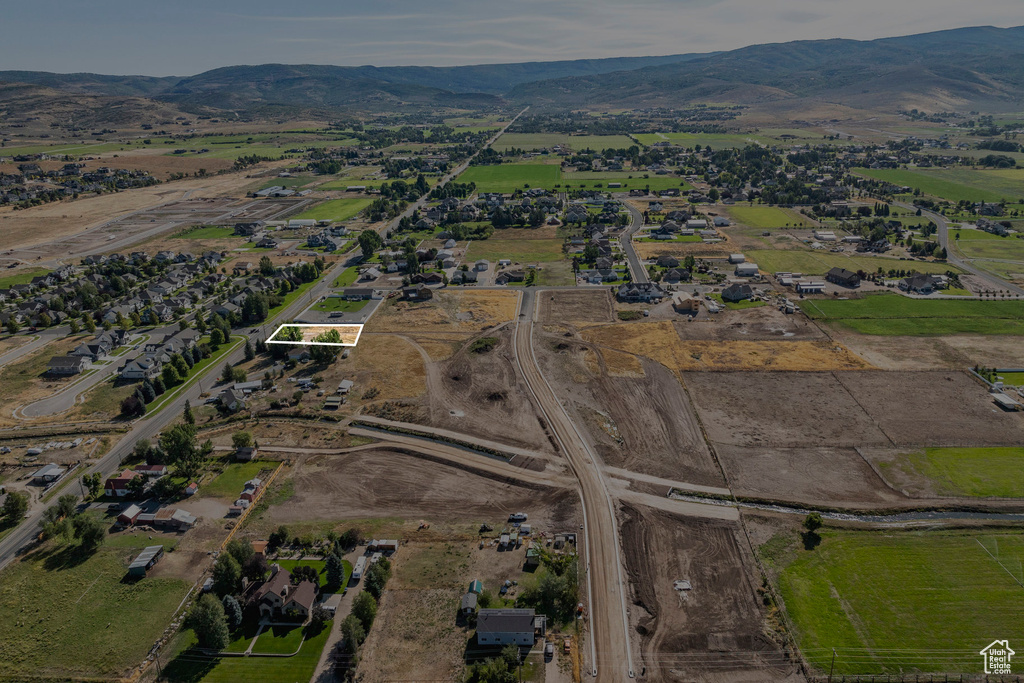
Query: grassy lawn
(998, 248)
(22, 277)
(974, 185)
(192, 667)
(69, 616)
(521, 251)
(347, 277)
(896, 601)
(738, 305)
(765, 217)
(820, 262)
(228, 484)
(507, 177)
(337, 209)
(532, 141)
(891, 314)
(997, 472)
(334, 303)
(1014, 379)
(279, 640)
(209, 232)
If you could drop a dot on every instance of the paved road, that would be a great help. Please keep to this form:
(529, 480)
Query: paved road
(954, 259)
(611, 658)
(149, 427)
(41, 339)
(419, 203)
(636, 266)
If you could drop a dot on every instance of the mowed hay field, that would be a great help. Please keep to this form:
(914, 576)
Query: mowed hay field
(766, 217)
(69, 617)
(901, 601)
(518, 250)
(507, 177)
(820, 262)
(997, 472)
(891, 314)
(975, 185)
(337, 209)
(448, 311)
(660, 342)
(532, 141)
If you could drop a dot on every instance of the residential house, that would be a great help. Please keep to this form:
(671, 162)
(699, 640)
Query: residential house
(418, 293)
(515, 626)
(637, 292)
(737, 292)
(67, 365)
(843, 277)
(277, 597)
(232, 400)
(117, 485)
(919, 284)
(142, 368)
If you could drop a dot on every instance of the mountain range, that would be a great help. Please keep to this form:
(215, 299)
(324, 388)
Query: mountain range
(959, 69)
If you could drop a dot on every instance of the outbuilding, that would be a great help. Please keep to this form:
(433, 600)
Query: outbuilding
(45, 475)
(746, 270)
(146, 559)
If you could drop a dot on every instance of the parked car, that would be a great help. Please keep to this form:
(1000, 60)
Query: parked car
(567, 645)
(549, 651)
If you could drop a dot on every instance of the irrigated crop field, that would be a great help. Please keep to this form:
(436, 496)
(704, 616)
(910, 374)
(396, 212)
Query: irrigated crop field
(997, 472)
(976, 185)
(532, 141)
(507, 177)
(889, 314)
(820, 262)
(766, 217)
(337, 209)
(897, 601)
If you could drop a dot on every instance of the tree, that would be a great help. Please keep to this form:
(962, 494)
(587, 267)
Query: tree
(133, 406)
(335, 571)
(12, 325)
(305, 573)
(147, 391)
(90, 325)
(232, 612)
(216, 337)
(349, 538)
(74, 326)
(318, 618)
(15, 506)
(241, 439)
(137, 486)
(353, 632)
(228, 374)
(89, 531)
(369, 242)
(209, 622)
(364, 607)
(278, 538)
(377, 577)
(227, 575)
(813, 522)
(169, 374)
(255, 568)
(179, 443)
(186, 414)
(325, 355)
(266, 266)
(241, 550)
(249, 352)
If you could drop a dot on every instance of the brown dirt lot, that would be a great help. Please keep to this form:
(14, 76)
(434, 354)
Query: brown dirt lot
(783, 409)
(386, 483)
(960, 411)
(833, 476)
(644, 424)
(577, 306)
(763, 323)
(455, 311)
(483, 394)
(714, 632)
(922, 353)
(648, 250)
(387, 362)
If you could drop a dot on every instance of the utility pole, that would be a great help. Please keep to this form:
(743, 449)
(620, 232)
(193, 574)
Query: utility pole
(833, 666)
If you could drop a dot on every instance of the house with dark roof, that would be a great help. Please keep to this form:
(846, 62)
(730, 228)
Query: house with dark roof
(737, 292)
(640, 292)
(67, 365)
(277, 597)
(519, 626)
(117, 485)
(919, 284)
(843, 277)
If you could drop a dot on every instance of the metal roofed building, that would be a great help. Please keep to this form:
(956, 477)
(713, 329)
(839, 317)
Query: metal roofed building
(146, 559)
(506, 626)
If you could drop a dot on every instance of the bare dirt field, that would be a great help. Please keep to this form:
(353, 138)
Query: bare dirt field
(386, 483)
(483, 394)
(784, 409)
(962, 412)
(752, 324)
(388, 363)
(716, 631)
(834, 476)
(348, 333)
(649, 250)
(577, 306)
(645, 424)
(448, 311)
(918, 353)
(154, 161)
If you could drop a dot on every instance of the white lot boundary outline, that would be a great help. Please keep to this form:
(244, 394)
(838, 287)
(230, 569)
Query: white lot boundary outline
(359, 332)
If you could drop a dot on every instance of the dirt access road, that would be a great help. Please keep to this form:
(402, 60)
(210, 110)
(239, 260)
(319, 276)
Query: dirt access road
(609, 638)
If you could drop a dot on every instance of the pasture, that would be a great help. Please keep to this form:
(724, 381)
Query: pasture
(519, 250)
(533, 141)
(975, 185)
(766, 217)
(983, 472)
(892, 601)
(891, 314)
(508, 177)
(337, 209)
(820, 262)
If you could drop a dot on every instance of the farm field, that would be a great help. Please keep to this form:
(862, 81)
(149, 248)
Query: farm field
(519, 250)
(820, 262)
(976, 185)
(997, 472)
(766, 216)
(208, 232)
(507, 177)
(337, 209)
(974, 247)
(72, 617)
(893, 602)
(532, 141)
(600, 179)
(22, 277)
(891, 314)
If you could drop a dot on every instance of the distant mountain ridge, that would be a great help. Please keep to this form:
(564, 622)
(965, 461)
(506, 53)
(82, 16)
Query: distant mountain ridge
(973, 67)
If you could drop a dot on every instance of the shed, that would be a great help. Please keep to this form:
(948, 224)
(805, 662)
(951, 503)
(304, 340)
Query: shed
(737, 258)
(345, 386)
(746, 269)
(129, 516)
(476, 586)
(468, 605)
(146, 559)
(45, 475)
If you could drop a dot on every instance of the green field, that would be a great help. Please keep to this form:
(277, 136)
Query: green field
(207, 232)
(508, 177)
(337, 209)
(21, 277)
(900, 601)
(190, 666)
(765, 217)
(891, 314)
(228, 484)
(599, 180)
(972, 245)
(726, 140)
(334, 303)
(520, 251)
(976, 185)
(532, 141)
(347, 277)
(997, 472)
(68, 616)
(820, 262)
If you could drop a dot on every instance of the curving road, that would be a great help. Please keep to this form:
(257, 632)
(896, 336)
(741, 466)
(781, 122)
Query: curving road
(611, 657)
(636, 266)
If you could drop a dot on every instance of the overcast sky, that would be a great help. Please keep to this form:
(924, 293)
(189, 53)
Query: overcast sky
(184, 37)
